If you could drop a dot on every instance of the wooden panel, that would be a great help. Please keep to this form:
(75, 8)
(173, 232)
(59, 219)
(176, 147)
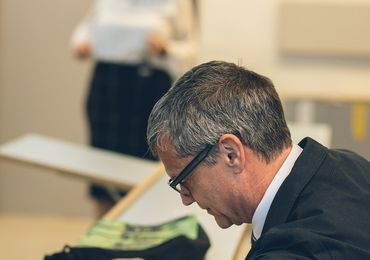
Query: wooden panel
(326, 27)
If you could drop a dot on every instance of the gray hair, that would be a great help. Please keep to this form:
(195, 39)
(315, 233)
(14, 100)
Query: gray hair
(217, 98)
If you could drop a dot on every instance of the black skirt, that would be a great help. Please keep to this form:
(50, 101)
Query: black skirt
(118, 105)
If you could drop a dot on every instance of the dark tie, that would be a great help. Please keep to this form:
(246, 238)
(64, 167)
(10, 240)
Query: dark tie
(253, 239)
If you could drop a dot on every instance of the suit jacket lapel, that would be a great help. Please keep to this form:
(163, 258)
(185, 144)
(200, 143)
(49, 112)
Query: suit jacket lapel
(303, 170)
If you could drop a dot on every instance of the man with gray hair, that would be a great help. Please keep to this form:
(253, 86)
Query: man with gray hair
(221, 134)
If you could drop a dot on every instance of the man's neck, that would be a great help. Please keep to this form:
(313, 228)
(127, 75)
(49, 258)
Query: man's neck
(263, 173)
(260, 213)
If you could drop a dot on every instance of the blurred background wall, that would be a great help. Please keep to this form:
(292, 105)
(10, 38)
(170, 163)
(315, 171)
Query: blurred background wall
(313, 46)
(42, 88)
(42, 91)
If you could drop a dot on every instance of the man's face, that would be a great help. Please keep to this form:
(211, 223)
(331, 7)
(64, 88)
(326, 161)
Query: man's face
(211, 187)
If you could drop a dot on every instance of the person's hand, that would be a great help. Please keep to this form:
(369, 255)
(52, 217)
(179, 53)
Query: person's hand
(82, 50)
(157, 45)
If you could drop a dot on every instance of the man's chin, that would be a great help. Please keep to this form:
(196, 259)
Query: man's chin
(223, 223)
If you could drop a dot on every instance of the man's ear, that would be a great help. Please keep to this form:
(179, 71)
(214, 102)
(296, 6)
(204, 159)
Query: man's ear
(232, 150)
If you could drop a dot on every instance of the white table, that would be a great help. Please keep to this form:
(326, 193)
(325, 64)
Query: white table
(78, 160)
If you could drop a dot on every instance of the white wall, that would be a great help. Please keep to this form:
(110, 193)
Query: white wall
(41, 90)
(239, 30)
(247, 32)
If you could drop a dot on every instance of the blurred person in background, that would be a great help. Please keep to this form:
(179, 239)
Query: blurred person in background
(140, 47)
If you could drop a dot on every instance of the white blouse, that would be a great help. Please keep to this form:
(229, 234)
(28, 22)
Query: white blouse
(117, 31)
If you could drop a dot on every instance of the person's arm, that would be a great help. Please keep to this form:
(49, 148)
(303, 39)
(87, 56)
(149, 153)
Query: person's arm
(182, 47)
(81, 37)
(82, 49)
(183, 40)
(157, 45)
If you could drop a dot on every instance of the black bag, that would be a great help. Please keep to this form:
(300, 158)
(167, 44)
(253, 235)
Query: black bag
(179, 248)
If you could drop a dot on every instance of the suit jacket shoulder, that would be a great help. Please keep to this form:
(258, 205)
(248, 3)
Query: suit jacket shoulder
(322, 210)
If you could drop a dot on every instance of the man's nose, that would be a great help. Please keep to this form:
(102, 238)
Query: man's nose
(187, 200)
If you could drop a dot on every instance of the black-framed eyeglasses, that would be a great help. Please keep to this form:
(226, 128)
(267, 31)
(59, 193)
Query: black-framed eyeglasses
(176, 183)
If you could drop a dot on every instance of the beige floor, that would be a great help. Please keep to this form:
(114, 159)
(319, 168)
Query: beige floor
(32, 236)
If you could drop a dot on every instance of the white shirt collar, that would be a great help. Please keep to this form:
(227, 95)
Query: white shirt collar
(259, 216)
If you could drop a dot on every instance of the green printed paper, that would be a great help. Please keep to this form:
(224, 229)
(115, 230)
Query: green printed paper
(116, 234)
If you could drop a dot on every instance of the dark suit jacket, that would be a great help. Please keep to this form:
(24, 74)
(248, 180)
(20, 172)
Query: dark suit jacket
(321, 211)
